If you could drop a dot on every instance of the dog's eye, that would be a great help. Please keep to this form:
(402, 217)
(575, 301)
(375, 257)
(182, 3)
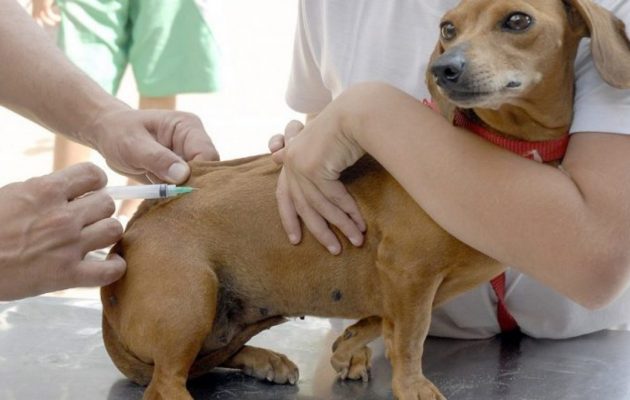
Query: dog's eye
(448, 31)
(517, 22)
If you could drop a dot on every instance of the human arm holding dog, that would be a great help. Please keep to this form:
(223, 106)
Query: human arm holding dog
(497, 202)
(48, 225)
(322, 73)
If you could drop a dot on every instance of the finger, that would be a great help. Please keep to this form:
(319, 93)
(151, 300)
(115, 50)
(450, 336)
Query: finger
(53, 16)
(184, 133)
(90, 273)
(279, 156)
(337, 193)
(276, 142)
(292, 129)
(161, 162)
(45, 18)
(332, 213)
(38, 20)
(93, 207)
(317, 226)
(197, 146)
(101, 234)
(315, 221)
(78, 179)
(288, 215)
(209, 155)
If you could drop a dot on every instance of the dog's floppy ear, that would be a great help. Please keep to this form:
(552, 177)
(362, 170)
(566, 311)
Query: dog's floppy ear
(610, 46)
(446, 107)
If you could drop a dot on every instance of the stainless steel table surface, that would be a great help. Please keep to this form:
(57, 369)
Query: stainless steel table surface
(51, 348)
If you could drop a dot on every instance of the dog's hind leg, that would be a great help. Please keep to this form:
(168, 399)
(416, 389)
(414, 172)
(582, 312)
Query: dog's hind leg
(264, 364)
(176, 327)
(259, 363)
(408, 304)
(351, 356)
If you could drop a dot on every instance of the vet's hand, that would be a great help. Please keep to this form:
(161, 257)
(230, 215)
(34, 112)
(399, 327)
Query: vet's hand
(151, 145)
(44, 14)
(309, 183)
(47, 229)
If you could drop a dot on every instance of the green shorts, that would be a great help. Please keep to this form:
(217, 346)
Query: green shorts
(168, 44)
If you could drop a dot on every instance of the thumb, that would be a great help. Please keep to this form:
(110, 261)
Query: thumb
(161, 162)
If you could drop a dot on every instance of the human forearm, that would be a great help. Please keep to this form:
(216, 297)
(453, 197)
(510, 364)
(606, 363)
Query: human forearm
(567, 231)
(41, 84)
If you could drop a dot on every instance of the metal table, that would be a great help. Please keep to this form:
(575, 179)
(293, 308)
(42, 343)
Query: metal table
(51, 348)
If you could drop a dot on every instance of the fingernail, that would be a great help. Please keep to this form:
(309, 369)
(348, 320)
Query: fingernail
(357, 241)
(293, 239)
(177, 172)
(334, 249)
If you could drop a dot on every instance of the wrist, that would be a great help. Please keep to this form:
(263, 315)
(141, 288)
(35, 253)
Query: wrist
(92, 122)
(362, 104)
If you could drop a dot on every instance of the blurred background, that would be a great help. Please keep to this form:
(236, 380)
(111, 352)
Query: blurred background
(256, 39)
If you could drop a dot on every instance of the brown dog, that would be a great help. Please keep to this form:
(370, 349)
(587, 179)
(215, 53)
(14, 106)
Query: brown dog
(209, 270)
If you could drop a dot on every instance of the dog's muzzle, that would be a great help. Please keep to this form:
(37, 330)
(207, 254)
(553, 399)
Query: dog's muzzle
(449, 68)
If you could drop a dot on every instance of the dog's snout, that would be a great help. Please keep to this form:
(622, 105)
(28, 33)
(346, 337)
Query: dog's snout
(449, 68)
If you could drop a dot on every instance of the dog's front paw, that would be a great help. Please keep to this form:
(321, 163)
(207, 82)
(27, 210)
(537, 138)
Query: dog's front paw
(354, 366)
(421, 389)
(271, 366)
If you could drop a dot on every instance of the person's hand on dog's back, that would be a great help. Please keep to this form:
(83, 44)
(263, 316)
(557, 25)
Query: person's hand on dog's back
(47, 229)
(308, 186)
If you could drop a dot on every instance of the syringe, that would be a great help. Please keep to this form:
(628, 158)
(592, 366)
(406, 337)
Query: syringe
(159, 191)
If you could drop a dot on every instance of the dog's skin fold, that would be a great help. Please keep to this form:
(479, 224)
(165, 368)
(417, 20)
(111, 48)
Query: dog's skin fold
(211, 269)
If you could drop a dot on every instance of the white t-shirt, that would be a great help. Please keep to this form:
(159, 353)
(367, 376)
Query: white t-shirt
(343, 42)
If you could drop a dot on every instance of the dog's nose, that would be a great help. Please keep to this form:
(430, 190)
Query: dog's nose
(448, 68)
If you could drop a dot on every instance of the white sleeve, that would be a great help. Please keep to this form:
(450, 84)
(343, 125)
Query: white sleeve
(306, 92)
(599, 107)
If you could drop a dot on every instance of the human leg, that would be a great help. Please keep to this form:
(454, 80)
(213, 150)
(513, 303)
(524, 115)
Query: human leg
(66, 152)
(93, 36)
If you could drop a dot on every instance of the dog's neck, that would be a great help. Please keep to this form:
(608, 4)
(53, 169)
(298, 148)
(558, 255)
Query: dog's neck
(532, 122)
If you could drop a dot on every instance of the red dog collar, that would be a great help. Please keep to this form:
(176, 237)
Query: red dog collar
(542, 151)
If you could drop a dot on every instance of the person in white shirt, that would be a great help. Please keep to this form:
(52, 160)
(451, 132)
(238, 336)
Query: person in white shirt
(571, 236)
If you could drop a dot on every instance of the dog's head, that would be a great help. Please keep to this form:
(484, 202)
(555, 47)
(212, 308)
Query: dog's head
(493, 53)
